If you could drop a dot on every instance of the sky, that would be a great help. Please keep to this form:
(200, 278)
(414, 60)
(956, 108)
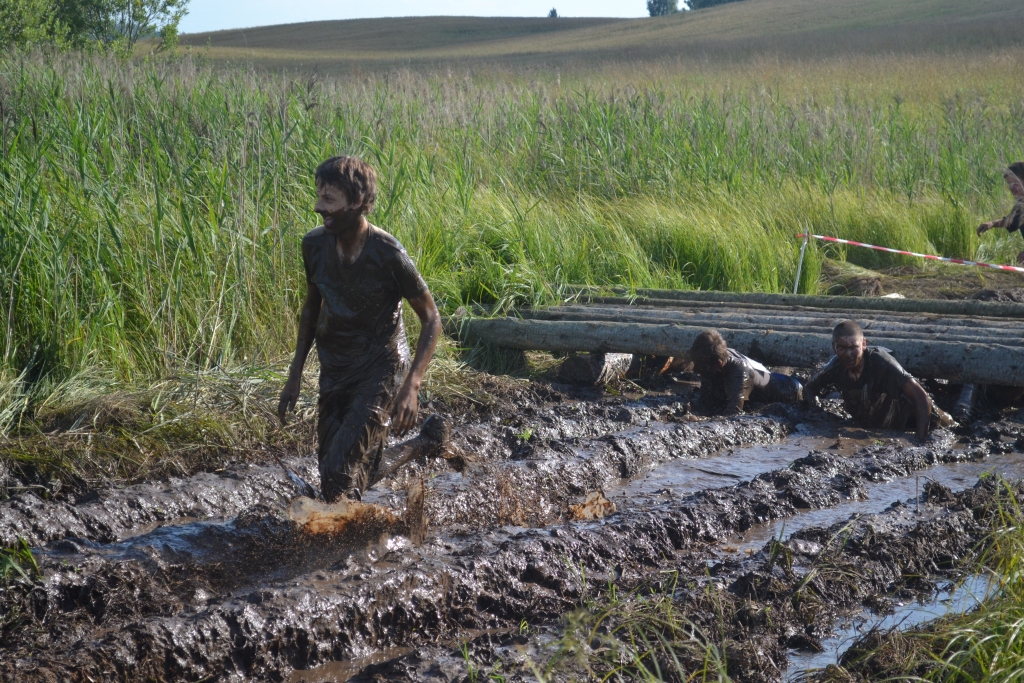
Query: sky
(214, 15)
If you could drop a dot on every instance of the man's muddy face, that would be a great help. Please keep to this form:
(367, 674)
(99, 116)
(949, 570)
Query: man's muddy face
(850, 351)
(338, 212)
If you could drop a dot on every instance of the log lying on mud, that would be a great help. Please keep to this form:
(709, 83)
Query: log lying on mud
(928, 324)
(783, 324)
(697, 307)
(594, 368)
(979, 363)
(940, 306)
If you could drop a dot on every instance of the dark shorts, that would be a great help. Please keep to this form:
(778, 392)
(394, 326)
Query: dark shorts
(779, 388)
(352, 427)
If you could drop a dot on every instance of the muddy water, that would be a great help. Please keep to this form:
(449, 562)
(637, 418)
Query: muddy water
(340, 672)
(876, 497)
(954, 599)
(678, 478)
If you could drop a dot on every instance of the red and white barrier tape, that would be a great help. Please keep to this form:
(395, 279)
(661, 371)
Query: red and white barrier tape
(946, 259)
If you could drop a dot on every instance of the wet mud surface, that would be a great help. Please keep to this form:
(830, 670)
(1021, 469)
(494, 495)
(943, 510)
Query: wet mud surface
(557, 500)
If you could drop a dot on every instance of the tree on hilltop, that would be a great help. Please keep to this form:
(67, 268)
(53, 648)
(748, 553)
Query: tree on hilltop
(661, 8)
(553, 14)
(703, 4)
(112, 24)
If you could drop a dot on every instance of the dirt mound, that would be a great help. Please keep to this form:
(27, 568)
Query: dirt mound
(1015, 295)
(208, 577)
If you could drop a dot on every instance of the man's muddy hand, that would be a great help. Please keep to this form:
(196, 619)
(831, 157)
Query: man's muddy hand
(407, 406)
(289, 397)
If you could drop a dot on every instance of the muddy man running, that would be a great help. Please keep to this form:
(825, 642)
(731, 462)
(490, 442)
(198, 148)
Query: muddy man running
(356, 277)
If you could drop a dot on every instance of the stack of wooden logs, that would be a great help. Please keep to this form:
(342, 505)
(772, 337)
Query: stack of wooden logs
(963, 341)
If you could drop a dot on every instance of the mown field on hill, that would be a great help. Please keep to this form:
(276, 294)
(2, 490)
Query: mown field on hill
(735, 32)
(151, 211)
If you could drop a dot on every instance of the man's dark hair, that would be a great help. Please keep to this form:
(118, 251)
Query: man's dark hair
(351, 175)
(1017, 168)
(708, 349)
(846, 328)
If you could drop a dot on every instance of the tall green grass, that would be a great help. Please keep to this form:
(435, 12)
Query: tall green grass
(151, 211)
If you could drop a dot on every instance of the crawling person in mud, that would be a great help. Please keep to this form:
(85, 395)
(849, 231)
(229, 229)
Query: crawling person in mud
(1013, 221)
(356, 277)
(876, 390)
(728, 379)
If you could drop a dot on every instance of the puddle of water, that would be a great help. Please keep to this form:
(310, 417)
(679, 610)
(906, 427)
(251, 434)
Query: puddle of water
(685, 476)
(880, 495)
(955, 600)
(339, 672)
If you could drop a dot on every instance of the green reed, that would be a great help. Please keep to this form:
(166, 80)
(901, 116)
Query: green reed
(151, 211)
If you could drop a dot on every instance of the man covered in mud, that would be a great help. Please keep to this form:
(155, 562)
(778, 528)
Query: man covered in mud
(876, 390)
(356, 277)
(728, 379)
(1013, 221)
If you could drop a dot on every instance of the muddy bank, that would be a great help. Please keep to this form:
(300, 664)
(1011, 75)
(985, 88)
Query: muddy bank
(550, 455)
(786, 598)
(108, 515)
(393, 594)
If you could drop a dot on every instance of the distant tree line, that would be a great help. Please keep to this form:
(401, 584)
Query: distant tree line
(661, 8)
(77, 24)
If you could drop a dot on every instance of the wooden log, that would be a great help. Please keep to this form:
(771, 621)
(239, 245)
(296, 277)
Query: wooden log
(782, 324)
(809, 316)
(854, 314)
(980, 363)
(941, 306)
(594, 368)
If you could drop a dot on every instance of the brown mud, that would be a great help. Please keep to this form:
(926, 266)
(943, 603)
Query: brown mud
(560, 496)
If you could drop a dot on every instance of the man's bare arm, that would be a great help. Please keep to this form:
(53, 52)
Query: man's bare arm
(998, 223)
(307, 329)
(922, 406)
(407, 401)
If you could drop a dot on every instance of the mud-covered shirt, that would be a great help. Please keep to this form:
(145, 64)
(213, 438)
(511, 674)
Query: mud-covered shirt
(875, 399)
(725, 392)
(1014, 221)
(360, 335)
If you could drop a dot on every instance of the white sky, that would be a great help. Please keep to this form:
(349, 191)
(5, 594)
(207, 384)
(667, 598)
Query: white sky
(213, 15)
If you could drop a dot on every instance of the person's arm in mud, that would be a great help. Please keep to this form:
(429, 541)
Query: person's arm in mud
(922, 406)
(818, 384)
(737, 390)
(307, 330)
(407, 401)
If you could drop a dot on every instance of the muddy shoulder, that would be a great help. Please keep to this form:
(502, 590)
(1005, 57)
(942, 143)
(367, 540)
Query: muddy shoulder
(557, 495)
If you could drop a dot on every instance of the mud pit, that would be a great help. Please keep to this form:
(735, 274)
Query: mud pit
(208, 578)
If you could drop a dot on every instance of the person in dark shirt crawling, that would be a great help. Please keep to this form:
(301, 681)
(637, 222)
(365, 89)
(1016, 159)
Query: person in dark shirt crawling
(876, 390)
(728, 379)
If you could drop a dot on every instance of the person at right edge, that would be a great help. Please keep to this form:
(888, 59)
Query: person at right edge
(1013, 221)
(876, 390)
(356, 278)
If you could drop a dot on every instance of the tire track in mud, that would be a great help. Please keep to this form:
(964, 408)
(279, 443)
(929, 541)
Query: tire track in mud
(789, 596)
(415, 595)
(110, 515)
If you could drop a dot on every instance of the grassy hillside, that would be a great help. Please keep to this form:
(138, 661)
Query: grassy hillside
(797, 28)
